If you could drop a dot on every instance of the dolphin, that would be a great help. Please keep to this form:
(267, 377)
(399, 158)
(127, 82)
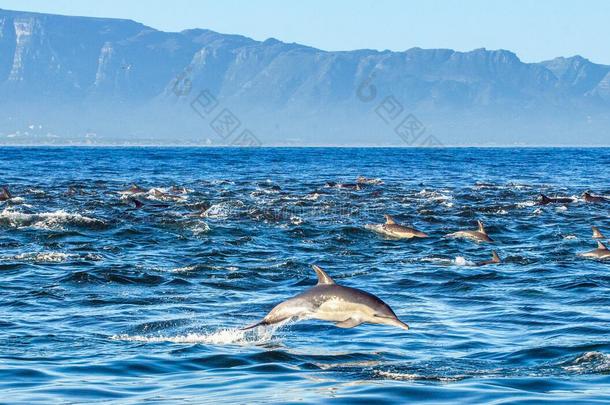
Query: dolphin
(327, 301)
(495, 259)
(593, 198)
(600, 253)
(394, 230)
(597, 234)
(479, 235)
(347, 186)
(543, 200)
(5, 194)
(134, 189)
(368, 180)
(155, 192)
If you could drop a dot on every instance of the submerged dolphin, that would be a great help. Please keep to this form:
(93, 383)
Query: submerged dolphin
(597, 234)
(594, 198)
(327, 301)
(394, 230)
(495, 259)
(601, 252)
(479, 235)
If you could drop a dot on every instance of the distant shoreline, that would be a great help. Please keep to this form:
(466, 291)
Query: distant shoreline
(168, 146)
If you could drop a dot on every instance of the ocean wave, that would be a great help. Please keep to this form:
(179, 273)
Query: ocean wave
(55, 220)
(228, 336)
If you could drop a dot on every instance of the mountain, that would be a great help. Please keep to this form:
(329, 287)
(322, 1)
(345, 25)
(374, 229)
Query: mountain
(88, 80)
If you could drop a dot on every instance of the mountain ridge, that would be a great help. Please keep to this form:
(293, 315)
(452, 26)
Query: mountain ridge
(115, 79)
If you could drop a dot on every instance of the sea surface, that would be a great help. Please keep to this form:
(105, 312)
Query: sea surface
(103, 301)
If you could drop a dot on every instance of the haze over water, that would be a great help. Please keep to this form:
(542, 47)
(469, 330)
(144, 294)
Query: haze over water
(101, 301)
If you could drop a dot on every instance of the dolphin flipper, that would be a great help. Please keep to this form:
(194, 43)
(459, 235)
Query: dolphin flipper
(349, 323)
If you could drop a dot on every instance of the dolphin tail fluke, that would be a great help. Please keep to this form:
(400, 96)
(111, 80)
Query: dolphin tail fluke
(596, 233)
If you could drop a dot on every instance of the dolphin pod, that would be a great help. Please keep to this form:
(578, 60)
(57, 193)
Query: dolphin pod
(346, 307)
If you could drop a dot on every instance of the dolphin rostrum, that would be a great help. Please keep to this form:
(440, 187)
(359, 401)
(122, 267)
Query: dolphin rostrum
(597, 234)
(479, 235)
(600, 253)
(394, 230)
(495, 259)
(327, 301)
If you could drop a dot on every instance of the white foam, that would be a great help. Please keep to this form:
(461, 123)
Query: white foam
(200, 228)
(525, 204)
(312, 197)
(410, 377)
(184, 269)
(440, 260)
(461, 261)
(296, 220)
(46, 220)
(49, 257)
(589, 362)
(222, 210)
(232, 336)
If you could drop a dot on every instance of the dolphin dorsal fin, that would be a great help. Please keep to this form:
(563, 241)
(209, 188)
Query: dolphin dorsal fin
(389, 220)
(601, 246)
(323, 278)
(481, 227)
(494, 257)
(596, 233)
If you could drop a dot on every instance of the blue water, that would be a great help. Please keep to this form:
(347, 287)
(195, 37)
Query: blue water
(101, 301)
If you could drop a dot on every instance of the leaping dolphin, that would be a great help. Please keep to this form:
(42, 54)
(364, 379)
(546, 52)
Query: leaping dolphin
(394, 230)
(480, 235)
(597, 234)
(600, 253)
(327, 301)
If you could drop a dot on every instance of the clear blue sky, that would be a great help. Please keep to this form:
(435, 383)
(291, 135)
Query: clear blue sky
(535, 30)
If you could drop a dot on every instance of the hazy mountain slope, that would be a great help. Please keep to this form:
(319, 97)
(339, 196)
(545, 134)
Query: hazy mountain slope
(78, 79)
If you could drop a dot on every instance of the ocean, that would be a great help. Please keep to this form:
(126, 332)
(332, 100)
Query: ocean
(103, 301)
